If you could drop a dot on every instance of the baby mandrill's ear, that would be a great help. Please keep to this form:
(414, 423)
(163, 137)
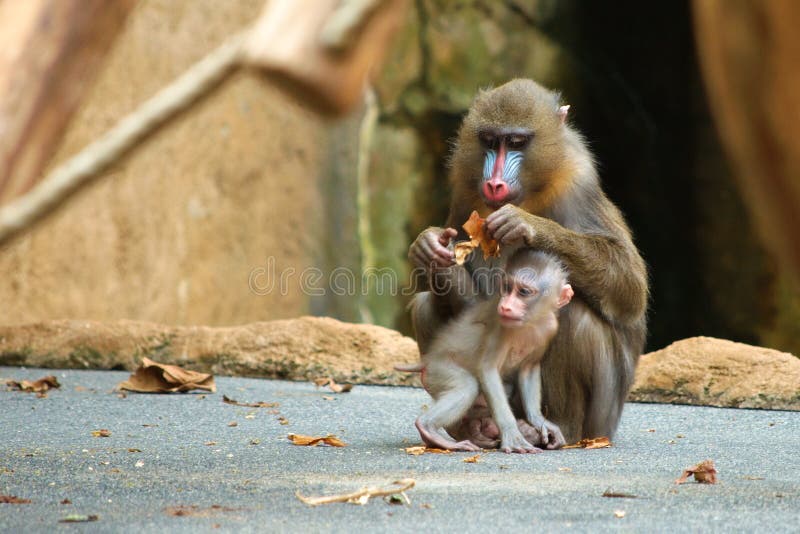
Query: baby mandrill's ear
(565, 296)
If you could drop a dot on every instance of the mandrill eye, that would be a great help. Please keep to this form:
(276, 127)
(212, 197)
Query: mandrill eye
(517, 142)
(488, 140)
(527, 292)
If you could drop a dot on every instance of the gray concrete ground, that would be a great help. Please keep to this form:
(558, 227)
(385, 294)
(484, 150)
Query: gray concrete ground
(173, 450)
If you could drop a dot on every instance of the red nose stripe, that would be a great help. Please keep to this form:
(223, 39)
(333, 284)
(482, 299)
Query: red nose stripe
(499, 163)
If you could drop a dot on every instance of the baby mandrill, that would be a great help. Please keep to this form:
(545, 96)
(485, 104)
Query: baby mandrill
(493, 340)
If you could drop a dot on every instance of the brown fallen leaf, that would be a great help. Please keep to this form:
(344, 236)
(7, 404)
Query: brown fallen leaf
(704, 473)
(313, 441)
(196, 511)
(36, 386)
(472, 459)
(363, 495)
(260, 404)
(66, 501)
(590, 443)
(282, 420)
(134, 450)
(477, 232)
(332, 385)
(79, 518)
(210, 443)
(618, 495)
(13, 499)
(153, 377)
(422, 449)
(233, 423)
(102, 433)
(749, 477)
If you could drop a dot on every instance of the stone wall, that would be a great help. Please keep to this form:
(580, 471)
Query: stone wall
(173, 232)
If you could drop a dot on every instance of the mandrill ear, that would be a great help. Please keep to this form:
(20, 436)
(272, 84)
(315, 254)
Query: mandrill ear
(566, 294)
(562, 113)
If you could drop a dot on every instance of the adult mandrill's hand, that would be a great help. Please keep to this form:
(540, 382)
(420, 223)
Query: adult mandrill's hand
(430, 248)
(511, 225)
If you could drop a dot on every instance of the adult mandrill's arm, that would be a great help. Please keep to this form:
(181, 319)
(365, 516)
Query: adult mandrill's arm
(605, 268)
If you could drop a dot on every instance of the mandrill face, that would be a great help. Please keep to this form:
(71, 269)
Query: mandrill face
(513, 140)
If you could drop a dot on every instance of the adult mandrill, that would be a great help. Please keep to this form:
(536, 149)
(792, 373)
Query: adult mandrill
(518, 163)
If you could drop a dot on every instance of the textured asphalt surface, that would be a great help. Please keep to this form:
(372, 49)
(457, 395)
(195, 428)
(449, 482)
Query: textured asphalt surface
(179, 450)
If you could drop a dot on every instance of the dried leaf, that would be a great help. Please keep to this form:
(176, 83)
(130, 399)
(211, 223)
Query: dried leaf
(363, 495)
(66, 501)
(79, 518)
(210, 443)
(475, 227)
(134, 450)
(463, 249)
(233, 423)
(37, 386)
(341, 388)
(13, 499)
(593, 443)
(312, 441)
(565, 469)
(282, 420)
(261, 404)
(152, 377)
(195, 511)
(102, 433)
(472, 459)
(332, 385)
(422, 449)
(618, 495)
(704, 473)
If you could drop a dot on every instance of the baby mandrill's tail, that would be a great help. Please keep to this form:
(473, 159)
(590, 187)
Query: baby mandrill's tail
(410, 367)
